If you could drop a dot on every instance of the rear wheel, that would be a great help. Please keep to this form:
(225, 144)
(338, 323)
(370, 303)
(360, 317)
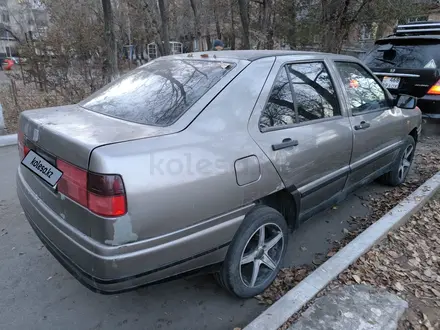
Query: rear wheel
(256, 253)
(402, 165)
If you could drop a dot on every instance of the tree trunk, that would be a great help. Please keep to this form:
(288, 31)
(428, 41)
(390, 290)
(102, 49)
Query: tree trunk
(208, 40)
(197, 30)
(217, 21)
(111, 61)
(231, 5)
(267, 28)
(244, 15)
(270, 30)
(164, 16)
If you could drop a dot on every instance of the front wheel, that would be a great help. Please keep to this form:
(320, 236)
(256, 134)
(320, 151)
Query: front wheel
(402, 165)
(256, 253)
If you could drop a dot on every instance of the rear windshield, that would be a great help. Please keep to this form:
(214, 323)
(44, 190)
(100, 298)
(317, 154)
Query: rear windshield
(159, 93)
(414, 55)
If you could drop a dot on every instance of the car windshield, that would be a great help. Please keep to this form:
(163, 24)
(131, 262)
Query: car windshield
(159, 93)
(414, 55)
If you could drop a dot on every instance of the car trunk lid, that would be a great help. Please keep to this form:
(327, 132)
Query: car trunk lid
(408, 81)
(406, 65)
(71, 132)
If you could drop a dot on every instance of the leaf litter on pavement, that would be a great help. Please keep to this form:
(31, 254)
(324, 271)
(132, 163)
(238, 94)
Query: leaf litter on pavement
(402, 263)
(408, 264)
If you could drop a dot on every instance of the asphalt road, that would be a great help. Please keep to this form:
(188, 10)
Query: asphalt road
(37, 293)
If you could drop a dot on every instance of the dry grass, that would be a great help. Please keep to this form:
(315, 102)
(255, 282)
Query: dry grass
(23, 97)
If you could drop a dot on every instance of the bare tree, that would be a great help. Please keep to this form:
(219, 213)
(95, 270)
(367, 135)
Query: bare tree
(111, 62)
(164, 15)
(244, 15)
(197, 30)
(4, 28)
(217, 21)
(267, 26)
(232, 12)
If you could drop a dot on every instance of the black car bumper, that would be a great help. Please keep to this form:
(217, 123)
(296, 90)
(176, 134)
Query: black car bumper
(430, 106)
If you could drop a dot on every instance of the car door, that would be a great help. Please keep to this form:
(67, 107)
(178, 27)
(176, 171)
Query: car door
(378, 126)
(300, 125)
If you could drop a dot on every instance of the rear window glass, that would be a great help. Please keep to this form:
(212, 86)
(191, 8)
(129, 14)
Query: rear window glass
(410, 56)
(159, 93)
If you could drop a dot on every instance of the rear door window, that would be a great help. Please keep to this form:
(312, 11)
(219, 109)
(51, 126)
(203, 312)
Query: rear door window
(404, 55)
(314, 93)
(302, 92)
(279, 110)
(159, 93)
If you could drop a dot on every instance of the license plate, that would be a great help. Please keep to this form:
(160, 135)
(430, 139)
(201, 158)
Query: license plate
(391, 82)
(42, 168)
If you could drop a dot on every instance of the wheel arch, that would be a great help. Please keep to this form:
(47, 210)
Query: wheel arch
(287, 203)
(415, 134)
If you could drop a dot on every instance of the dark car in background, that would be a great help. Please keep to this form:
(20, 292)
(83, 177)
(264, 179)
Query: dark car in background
(408, 62)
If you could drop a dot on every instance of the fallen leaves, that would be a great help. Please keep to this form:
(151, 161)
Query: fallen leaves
(413, 271)
(399, 286)
(286, 280)
(393, 254)
(408, 260)
(436, 292)
(357, 279)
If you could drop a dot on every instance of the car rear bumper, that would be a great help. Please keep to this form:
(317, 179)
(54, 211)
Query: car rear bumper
(430, 106)
(103, 268)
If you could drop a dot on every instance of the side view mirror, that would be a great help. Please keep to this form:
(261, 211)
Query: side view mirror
(405, 102)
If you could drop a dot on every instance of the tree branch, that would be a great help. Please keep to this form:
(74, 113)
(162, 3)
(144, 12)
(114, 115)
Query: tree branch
(3, 28)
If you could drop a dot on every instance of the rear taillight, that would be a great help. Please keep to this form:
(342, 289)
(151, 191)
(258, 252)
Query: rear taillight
(435, 90)
(103, 194)
(23, 150)
(73, 183)
(106, 194)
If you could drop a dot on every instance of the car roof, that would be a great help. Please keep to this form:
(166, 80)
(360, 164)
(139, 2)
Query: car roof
(415, 38)
(252, 55)
(425, 30)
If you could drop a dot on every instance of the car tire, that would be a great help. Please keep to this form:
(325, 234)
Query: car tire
(259, 245)
(402, 164)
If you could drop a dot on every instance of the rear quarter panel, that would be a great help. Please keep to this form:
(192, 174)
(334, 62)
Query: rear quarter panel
(412, 119)
(179, 182)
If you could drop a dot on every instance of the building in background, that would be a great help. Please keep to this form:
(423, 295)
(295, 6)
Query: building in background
(17, 19)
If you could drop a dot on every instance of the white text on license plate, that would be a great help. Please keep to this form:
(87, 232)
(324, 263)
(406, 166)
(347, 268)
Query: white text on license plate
(42, 168)
(391, 82)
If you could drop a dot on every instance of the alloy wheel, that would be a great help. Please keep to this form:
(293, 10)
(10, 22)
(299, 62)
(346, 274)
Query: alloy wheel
(405, 162)
(261, 255)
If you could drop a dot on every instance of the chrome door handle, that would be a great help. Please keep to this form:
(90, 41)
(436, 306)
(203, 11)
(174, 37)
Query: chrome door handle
(285, 144)
(362, 125)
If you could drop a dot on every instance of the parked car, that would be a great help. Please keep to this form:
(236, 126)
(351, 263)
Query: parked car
(409, 62)
(207, 160)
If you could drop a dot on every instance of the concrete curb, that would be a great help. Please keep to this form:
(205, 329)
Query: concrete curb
(2, 119)
(276, 315)
(8, 140)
